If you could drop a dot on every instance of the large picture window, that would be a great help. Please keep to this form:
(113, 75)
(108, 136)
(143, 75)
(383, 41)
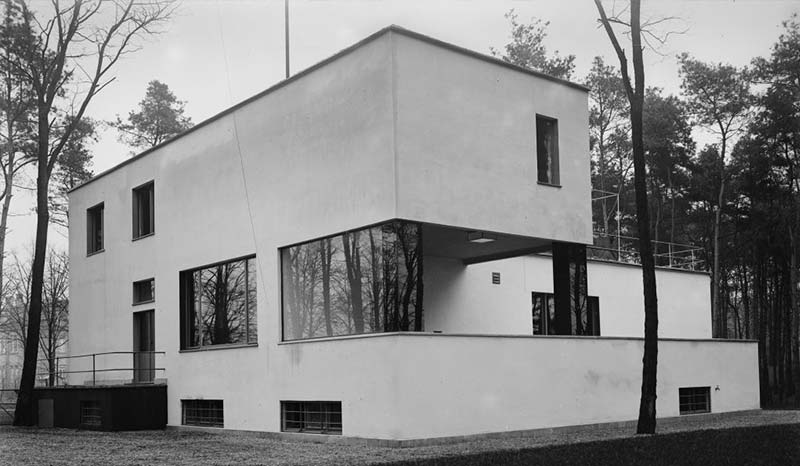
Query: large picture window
(219, 304)
(364, 281)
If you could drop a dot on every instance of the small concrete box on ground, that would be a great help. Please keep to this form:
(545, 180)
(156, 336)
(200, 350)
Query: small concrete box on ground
(108, 408)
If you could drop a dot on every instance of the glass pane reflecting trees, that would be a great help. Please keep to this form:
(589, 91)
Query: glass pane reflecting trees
(363, 281)
(219, 304)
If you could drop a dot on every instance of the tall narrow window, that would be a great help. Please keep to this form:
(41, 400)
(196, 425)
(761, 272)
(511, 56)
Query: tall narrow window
(94, 229)
(143, 210)
(218, 304)
(547, 149)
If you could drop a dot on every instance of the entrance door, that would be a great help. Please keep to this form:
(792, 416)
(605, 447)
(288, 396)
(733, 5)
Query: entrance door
(144, 343)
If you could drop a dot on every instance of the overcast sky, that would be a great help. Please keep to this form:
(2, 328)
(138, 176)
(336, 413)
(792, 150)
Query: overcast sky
(215, 53)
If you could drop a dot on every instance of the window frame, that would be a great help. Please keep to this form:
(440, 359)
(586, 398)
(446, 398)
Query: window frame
(185, 330)
(135, 210)
(213, 424)
(418, 325)
(592, 310)
(691, 405)
(91, 227)
(152, 299)
(303, 410)
(554, 179)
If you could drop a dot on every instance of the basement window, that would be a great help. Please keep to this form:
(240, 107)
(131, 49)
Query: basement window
(694, 400)
(144, 291)
(202, 413)
(94, 229)
(91, 414)
(143, 210)
(312, 417)
(547, 150)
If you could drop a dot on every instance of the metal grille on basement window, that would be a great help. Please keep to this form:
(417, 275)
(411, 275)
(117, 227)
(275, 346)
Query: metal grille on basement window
(312, 417)
(204, 413)
(91, 414)
(693, 400)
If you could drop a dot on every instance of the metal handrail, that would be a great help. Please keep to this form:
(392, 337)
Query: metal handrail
(95, 370)
(677, 255)
(110, 352)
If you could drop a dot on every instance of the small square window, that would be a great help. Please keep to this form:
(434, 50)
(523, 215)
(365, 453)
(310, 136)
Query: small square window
(143, 210)
(694, 400)
(144, 291)
(547, 150)
(94, 229)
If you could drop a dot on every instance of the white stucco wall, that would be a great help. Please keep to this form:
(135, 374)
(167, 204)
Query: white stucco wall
(469, 151)
(423, 385)
(462, 299)
(337, 148)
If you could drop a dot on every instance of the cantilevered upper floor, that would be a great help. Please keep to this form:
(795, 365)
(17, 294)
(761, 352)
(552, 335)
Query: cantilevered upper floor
(399, 125)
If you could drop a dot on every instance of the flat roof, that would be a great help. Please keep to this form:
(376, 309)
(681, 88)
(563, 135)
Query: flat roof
(341, 53)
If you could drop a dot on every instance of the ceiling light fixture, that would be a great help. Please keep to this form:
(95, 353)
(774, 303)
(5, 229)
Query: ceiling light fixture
(480, 237)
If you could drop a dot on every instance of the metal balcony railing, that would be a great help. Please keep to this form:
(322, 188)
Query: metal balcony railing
(142, 368)
(625, 249)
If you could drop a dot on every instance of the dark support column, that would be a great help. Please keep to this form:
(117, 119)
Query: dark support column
(570, 289)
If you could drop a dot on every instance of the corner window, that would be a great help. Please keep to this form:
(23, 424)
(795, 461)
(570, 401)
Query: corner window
(547, 150)
(362, 281)
(144, 291)
(543, 316)
(143, 210)
(218, 304)
(203, 413)
(694, 400)
(94, 229)
(311, 417)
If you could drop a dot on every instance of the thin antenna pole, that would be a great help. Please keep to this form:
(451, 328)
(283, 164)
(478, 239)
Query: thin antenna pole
(286, 27)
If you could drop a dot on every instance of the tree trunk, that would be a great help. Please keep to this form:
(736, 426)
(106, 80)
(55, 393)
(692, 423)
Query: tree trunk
(24, 414)
(720, 316)
(326, 255)
(221, 329)
(352, 259)
(647, 406)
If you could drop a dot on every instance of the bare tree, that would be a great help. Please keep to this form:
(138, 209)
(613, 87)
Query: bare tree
(635, 91)
(14, 325)
(74, 35)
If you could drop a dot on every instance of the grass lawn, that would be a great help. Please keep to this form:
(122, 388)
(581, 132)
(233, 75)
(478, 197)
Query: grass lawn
(769, 444)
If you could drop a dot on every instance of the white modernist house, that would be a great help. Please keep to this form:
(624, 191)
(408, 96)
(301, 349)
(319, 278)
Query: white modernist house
(392, 245)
